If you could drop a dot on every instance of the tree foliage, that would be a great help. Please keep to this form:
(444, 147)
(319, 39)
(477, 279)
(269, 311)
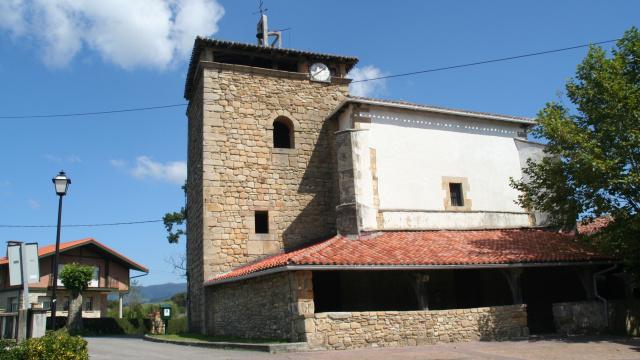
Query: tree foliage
(180, 299)
(593, 163)
(75, 278)
(175, 218)
(134, 295)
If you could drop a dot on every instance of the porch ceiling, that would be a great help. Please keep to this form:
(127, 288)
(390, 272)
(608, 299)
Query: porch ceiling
(432, 249)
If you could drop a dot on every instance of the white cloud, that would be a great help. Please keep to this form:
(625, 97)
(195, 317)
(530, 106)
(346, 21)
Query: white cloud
(33, 204)
(367, 88)
(139, 33)
(52, 158)
(119, 163)
(74, 158)
(171, 172)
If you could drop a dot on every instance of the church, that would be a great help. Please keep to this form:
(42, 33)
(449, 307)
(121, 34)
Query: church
(346, 222)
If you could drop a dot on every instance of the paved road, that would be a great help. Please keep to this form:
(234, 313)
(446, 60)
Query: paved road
(579, 347)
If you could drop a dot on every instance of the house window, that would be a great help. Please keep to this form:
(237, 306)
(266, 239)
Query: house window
(66, 304)
(455, 189)
(262, 222)
(283, 133)
(95, 282)
(45, 301)
(88, 304)
(13, 304)
(60, 266)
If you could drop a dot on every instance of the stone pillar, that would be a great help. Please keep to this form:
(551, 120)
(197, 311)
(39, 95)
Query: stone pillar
(585, 274)
(302, 307)
(23, 316)
(120, 305)
(37, 323)
(515, 284)
(419, 282)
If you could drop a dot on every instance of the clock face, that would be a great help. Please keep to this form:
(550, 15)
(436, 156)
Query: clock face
(319, 72)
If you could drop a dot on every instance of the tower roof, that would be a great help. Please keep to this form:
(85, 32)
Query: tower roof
(230, 52)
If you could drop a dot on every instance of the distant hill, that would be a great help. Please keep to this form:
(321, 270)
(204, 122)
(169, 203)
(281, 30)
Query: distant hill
(157, 293)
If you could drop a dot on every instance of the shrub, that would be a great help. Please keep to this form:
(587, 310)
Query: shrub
(115, 326)
(9, 349)
(53, 345)
(177, 326)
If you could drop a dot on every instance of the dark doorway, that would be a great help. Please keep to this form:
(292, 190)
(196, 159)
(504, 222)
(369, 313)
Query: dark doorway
(543, 286)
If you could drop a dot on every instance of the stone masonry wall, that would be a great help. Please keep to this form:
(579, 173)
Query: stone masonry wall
(265, 307)
(587, 317)
(573, 318)
(243, 174)
(194, 212)
(350, 330)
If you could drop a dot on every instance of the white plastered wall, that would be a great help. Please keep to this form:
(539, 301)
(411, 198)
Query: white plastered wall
(417, 150)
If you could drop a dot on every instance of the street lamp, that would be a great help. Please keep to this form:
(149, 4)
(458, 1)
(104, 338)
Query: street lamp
(62, 184)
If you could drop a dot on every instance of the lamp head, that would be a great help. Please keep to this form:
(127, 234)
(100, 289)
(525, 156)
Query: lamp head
(62, 183)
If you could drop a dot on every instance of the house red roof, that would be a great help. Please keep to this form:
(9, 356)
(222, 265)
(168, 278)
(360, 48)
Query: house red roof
(51, 249)
(432, 249)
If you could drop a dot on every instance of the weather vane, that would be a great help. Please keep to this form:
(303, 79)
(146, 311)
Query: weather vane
(260, 7)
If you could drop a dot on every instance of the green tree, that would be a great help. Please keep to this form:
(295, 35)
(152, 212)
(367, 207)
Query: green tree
(175, 218)
(179, 262)
(593, 163)
(75, 278)
(180, 299)
(134, 295)
(135, 311)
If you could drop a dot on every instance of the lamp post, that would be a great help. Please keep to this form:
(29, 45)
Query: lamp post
(62, 184)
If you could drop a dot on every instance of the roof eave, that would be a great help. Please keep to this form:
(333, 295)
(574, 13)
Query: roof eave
(132, 265)
(528, 122)
(279, 269)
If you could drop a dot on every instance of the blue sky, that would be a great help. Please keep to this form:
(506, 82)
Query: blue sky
(70, 57)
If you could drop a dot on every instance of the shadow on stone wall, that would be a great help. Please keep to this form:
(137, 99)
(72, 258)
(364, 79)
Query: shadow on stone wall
(319, 186)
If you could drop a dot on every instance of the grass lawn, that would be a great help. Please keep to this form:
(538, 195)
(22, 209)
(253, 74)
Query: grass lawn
(211, 338)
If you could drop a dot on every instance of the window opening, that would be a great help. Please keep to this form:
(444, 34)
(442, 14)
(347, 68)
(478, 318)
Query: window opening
(281, 135)
(45, 301)
(456, 194)
(13, 304)
(88, 304)
(262, 222)
(95, 282)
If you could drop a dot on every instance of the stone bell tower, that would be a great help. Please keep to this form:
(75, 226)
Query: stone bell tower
(262, 159)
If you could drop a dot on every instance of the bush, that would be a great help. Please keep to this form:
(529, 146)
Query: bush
(177, 326)
(115, 326)
(109, 326)
(53, 345)
(9, 349)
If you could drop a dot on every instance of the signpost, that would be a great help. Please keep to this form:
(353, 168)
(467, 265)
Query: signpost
(23, 265)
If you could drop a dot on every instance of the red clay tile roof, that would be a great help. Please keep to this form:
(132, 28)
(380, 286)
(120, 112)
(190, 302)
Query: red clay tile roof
(51, 249)
(590, 227)
(433, 249)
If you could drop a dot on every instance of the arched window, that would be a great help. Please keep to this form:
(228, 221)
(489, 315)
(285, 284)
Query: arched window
(283, 133)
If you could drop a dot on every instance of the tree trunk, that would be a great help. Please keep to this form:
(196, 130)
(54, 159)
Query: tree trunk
(74, 320)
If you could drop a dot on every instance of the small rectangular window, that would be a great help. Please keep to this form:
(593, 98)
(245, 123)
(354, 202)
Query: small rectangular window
(45, 301)
(88, 305)
(456, 194)
(13, 304)
(262, 222)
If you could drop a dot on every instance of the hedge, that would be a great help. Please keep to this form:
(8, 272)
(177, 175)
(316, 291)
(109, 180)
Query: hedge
(109, 326)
